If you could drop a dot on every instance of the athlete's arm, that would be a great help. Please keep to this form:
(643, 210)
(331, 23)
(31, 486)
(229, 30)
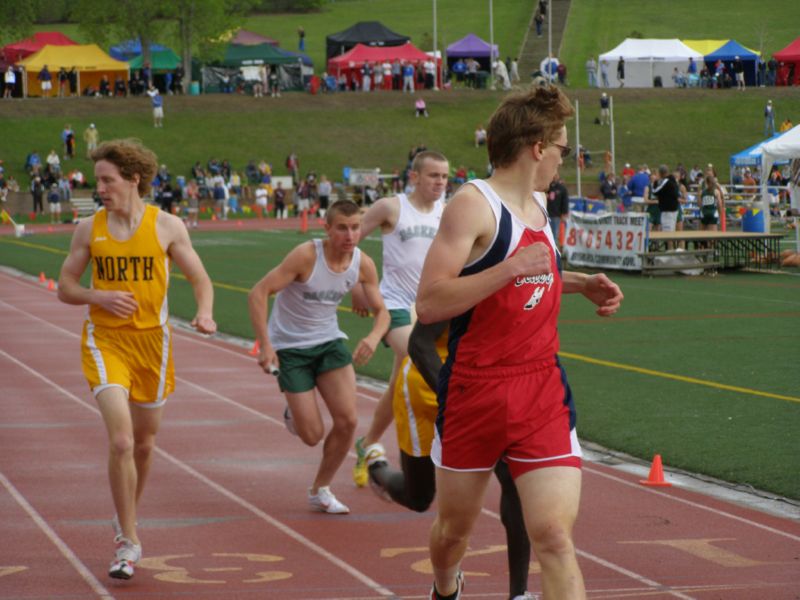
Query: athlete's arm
(422, 350)
(466, 229)
(368, 278)
(70, 291)
(178, 246)
(597, 288)
(296, 264)
(384, 214)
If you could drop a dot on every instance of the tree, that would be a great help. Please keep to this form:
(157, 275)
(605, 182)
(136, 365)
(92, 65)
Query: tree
(205, 25)
(18, 18)
(140, 20)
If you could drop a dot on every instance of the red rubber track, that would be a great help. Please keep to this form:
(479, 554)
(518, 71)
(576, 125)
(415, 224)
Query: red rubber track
(224, 514)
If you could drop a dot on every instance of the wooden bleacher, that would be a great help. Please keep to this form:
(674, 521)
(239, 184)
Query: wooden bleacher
(713, 250)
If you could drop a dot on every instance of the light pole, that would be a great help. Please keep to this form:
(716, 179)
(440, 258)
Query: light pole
(491, 42)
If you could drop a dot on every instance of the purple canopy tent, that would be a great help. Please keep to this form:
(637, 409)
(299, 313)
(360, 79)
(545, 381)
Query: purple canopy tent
(471, 46)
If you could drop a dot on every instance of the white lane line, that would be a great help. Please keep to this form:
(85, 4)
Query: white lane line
(693, 504)
(355, 573)
(65, 550)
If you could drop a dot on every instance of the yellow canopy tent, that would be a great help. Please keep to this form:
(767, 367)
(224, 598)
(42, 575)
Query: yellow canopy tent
(89, 60)
(705, 47)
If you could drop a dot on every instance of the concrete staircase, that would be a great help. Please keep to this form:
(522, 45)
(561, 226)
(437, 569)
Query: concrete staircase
(534, 49)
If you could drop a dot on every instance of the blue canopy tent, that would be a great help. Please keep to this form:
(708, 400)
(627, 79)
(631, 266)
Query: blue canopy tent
(728, 53)
(130, 49)
(751, 157)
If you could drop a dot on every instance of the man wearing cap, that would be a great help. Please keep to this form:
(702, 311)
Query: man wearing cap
(90, 136)
(738, 69)
(769, 119)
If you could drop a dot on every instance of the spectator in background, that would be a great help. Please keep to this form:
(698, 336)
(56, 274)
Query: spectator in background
(408, 78)
(667, 191)
(279, 197)
(301, 39)
(738, 70)
(53, 163)
(621, 71)
(421, 108)
(609, 191)
(769, 119)
(45, 81)
(63, 82)
(480, 136)
(591, 71)
(90, 137)
(604, 73)
(73, 81)
(192, 203)
(120, 90)
(561, 72)
(538, 20)
(158, 106)
(37, 192)
(68, 137)
(10, 81)
(628, 171)
(324, 191)
(105, 86)
(605, 111)
(786, 125)
(557, 206)
(54, 204)
(501, 73)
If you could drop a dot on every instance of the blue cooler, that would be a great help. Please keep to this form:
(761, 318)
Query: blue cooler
(754, 221)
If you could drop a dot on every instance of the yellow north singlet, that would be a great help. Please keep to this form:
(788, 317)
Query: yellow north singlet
(138, 265)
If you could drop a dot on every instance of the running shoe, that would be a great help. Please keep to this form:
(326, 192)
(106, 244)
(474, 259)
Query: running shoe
(125, 558)
(288, 420)
(325, 501)
(459, 588)
(525, 596)
(360, 475)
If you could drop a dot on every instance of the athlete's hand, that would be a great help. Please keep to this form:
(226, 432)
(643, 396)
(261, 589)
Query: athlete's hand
(533, 260)
(604, 293)
(204, 324)
(359, 300)
(268, 360)
(364, 351)
(120, 304)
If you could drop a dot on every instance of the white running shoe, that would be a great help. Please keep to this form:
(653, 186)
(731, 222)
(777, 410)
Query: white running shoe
(288, 420)
(525, 596)
(126, 556)
(325, 501)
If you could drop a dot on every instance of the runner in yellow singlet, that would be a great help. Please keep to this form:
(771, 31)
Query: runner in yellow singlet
(126, 346)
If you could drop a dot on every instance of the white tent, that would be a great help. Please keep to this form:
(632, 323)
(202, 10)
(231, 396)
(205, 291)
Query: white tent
(647, 59)
(784, 147)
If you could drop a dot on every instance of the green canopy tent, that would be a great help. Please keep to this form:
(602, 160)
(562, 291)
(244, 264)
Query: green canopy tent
(161, 60)
(242, 64)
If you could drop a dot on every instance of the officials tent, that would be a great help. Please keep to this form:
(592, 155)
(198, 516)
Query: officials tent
(705, 47)
(89, 60)
(368, 33)
(15, 52)
(780, 150)
(471, 46)
(791, 56)
(647, 59)
(728, 53)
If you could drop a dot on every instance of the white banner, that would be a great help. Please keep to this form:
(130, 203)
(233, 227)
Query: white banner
(610, 241)
(364, 177)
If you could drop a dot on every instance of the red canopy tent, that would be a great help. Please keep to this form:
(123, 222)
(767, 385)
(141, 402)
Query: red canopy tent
(350, 62)
(790, 56)
(15, 52)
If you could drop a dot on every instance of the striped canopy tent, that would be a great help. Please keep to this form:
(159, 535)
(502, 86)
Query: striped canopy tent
(89, 60)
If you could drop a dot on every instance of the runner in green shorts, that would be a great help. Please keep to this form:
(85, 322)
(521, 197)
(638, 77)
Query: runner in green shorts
(302, 342)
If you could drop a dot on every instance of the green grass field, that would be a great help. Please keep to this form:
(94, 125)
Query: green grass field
(701, 370)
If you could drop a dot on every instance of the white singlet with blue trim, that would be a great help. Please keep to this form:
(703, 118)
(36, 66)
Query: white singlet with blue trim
(304, 313)
(404, 250)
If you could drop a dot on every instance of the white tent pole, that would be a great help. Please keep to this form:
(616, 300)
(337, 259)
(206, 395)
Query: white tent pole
(435, 48)
(549, 29)
(578, 145)
(491, 44)
(612, 126)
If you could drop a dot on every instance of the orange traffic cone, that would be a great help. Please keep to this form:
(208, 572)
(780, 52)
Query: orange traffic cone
(304, 221)
(42, 278)
(255, 349)
(51, 285)
(656, 477)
